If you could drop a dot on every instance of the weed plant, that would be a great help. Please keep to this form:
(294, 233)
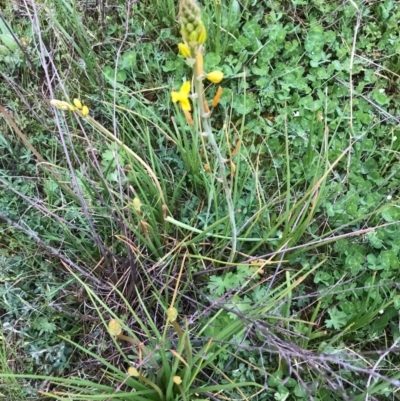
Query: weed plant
(199, 201)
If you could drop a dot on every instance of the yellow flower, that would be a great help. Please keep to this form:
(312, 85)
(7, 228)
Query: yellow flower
(184, 49)
(78, 104)
(85, 111)
(182, 96)
(177, 380)
(215, 76)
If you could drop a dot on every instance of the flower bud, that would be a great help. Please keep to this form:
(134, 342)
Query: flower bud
(78, 104)
(172, 314)
(184, 49)
(189, 28)
(215, 76)
(85, 111)
(189, 118)
(133, 372)
(202, 35)
(192, 28)
(114, 327)
(137, 204)
(217, 97)
(177, 380)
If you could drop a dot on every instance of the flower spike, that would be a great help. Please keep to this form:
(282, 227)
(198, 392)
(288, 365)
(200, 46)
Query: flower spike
(192, 28)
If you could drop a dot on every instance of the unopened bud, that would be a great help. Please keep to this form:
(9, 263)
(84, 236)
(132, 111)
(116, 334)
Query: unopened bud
(114, 327)
(133, 372)
(172, 314)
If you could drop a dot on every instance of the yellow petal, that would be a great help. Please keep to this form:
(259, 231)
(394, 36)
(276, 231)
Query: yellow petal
(184, 49)
(85, 111)
(177, 380)
(215, 76)
(78, 104)
(176, 96)
(185, 89)
(185, 104)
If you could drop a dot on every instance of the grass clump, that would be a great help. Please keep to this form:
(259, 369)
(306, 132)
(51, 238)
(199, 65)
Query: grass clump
(230, 163)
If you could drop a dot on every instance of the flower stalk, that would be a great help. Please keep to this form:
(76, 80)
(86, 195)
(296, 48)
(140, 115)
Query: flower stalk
(194, 35)
(115, 329)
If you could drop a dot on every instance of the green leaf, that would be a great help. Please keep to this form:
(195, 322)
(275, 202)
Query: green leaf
(243, 106)
(354, 262)
(9, 42)
(44, 326)
(211, 60)
(216, 285)
(128, 60)
(110, 73)
(391, 213)
(338, 319)
(252, 30)
(380, 97)
(299, 391)
(338, 65)
(389, 260)
(276, 379)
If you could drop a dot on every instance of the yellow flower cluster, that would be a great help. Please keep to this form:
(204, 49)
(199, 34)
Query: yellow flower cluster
(194, 35)
(83, 110)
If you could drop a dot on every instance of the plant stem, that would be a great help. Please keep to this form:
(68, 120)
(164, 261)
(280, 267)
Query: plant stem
(153, 385)
(138, 344)
(205, 126)
(218, 33)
